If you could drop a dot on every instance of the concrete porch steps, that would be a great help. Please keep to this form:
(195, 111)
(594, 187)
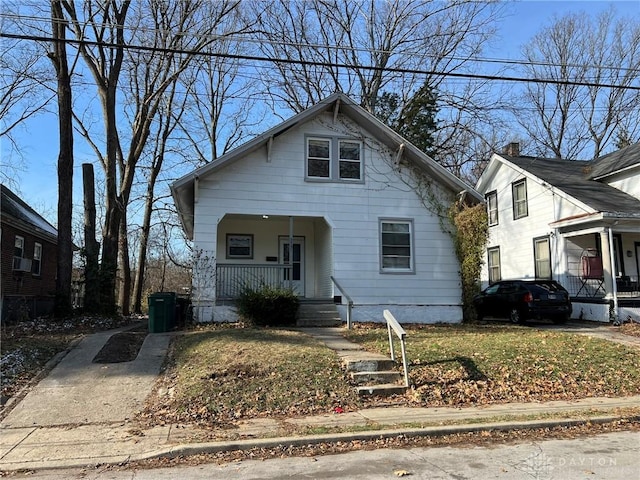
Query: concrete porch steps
(318, 314)
(374, 374)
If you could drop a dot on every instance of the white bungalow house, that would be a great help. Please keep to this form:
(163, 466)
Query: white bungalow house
(577, 222)
(338, 188)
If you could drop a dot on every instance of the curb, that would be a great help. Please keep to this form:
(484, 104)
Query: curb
(187, 450)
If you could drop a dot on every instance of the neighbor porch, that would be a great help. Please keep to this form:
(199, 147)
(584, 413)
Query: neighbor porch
(603, 269)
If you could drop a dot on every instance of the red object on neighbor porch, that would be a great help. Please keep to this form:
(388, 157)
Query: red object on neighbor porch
(591, 262)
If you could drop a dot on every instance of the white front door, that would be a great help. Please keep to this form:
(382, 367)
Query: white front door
(293, 277)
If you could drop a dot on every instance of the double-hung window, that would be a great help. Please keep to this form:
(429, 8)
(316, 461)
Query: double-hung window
(492, 207)
(319, 158)
(519, 193)
(36, 264)
(334, 159)
(396, 246)
(18, 252)
(542, 257)
(493, 262)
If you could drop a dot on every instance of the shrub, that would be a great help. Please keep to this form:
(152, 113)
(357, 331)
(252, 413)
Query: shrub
(268, 305)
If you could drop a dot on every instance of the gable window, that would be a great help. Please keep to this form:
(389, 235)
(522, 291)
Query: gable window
(493, 262)
(334, 159)
(318, 157)
(396, 246)
(542, 257)
(519, 192)
(37, 259)
(350, 160)
(492, 207)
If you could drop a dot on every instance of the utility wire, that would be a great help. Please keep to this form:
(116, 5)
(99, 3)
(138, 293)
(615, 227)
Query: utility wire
(317, 63)
(261, 41)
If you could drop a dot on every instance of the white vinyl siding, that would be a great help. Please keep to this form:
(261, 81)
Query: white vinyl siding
(396, 246)
(350, 212)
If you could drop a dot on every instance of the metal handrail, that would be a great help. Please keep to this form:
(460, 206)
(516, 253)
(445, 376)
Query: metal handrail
(349, 301)
(392, 323)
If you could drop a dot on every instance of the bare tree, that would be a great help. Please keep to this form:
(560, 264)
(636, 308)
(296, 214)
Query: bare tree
(58, 57)
(172, 34)
(567, 120)
(27, 86)
(365, 47)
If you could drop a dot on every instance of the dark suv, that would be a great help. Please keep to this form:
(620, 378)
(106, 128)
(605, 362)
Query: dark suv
(521, 300)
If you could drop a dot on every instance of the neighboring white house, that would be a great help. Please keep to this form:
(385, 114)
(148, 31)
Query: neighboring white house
(577, 222)
(336, 187)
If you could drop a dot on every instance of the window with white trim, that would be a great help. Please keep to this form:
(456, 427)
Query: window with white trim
(18, 250)
(519, 192)
(396, 246)
(492, 207)
(36, 263)
(542, 257)
(493, 263)
(334, 159)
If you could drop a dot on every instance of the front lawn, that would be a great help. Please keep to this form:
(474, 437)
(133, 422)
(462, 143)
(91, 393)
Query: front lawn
(470, 365)
(221, 374)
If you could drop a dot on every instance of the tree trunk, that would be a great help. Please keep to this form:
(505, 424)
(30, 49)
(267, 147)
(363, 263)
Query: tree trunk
(124, 291)
(65, 163)
(91, 246)
(144, 242)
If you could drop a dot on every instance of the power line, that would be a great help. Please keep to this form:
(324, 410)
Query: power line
(261, 41)
(290, 61)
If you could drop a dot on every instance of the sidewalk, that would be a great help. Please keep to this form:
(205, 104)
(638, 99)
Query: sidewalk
(81, 415)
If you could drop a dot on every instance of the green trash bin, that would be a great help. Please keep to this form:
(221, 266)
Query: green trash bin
(162, 312)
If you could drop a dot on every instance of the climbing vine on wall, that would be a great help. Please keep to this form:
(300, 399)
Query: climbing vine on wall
(470, 240)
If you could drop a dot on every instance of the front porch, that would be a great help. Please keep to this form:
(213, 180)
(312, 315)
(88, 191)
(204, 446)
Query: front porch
(603, 272)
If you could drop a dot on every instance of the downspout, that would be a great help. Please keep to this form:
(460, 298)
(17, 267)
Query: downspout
(614, 287)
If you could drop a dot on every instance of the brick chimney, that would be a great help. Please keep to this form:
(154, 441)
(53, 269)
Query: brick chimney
(512, 149)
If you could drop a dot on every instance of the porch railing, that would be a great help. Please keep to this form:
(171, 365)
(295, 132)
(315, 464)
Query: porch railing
(394, 327)
(231, 278)
(595, 288)
(349, 301)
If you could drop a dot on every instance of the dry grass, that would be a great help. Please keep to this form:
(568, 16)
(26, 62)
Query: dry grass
(465, 365)
(223, 374)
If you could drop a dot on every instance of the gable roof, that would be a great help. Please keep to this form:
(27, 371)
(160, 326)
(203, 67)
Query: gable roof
(615, 162)
(571, 177)
(13, 207)
(183, 188)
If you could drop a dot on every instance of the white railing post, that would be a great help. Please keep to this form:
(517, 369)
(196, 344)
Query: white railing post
(392, 323)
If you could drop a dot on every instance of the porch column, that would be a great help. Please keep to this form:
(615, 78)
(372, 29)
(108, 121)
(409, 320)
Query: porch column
(606, 243)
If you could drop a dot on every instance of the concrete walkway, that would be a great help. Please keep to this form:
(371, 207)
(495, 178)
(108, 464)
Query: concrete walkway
(81, 414)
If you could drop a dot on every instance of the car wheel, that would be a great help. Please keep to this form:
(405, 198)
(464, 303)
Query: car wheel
(514, 316)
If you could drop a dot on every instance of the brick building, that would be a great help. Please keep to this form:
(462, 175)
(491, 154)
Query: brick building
(28, 260)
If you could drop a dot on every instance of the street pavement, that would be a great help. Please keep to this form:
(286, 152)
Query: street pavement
(82, 414)
(611, 456)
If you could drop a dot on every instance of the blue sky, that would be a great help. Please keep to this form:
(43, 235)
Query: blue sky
(38, 181)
